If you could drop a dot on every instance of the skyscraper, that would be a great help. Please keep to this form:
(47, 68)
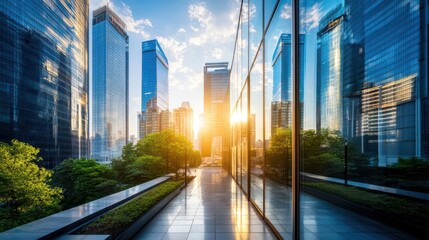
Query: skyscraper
(44, 76)
(109, 85)
(183, 121)
(329, 72)
(281, 106)
(154, 89)
(372, 93)
(216, 107)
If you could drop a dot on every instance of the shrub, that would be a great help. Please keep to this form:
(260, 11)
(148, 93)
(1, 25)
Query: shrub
(119, 218)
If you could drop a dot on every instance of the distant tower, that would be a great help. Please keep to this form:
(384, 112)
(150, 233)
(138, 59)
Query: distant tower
(109, 85)
(154, 116)
(183, 121)
(281, 106)
(216, 108)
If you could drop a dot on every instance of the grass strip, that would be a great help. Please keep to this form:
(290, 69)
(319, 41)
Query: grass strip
(121, 217)
(403, 208)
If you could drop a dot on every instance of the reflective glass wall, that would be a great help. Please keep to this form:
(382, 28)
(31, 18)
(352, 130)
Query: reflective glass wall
(44, 76)
(361, 113)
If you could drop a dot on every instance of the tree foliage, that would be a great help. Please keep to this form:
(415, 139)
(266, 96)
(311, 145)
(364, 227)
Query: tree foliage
(83, 180)
(24, 186)
(171, 147)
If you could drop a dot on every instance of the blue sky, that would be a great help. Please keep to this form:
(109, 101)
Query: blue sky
(190, 33)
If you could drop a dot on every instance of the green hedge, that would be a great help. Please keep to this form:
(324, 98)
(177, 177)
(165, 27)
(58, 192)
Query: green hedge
(119, 218)
(405, 209)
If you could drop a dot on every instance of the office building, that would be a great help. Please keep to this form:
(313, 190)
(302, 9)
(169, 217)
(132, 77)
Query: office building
(154, 116)
(330, 54)
(183, 119)
(109, 85)
(281, 106)
(44, 77)
(216, 106)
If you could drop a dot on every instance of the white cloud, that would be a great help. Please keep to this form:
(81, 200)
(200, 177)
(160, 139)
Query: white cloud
(199, 12)
(208, 28)
(181, 30)
(248, 13)
(312, 16)
(126, 14)
(286, 12)
(217, 53)
(134, 25)
(195, 29)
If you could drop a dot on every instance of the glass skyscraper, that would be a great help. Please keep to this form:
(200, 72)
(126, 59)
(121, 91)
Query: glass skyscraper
(281, 106)
(329, 72)
(216, 103)
(44, 76)
(109, 85)
(155, 96)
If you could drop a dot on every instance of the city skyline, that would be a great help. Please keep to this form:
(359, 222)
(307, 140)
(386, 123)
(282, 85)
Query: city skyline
(195, 32)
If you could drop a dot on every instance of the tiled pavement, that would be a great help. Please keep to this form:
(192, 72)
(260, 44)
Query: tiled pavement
(213, 207)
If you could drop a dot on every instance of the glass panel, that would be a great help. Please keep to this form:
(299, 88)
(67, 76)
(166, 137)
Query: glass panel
(256, 132)
(277, 120)
(244, 41)
(268, 10)
(239, 150)
(255, 27)
(244, 139)
(364, 111)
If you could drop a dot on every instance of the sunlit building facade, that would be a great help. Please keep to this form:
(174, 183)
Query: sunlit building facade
(155, 98)
(183, 121)
(215, 134)
(330, 53)
(44, 77)
(362, 77)
(109, 85)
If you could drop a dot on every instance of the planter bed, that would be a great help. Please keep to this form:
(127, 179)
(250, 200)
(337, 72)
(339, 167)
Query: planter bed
(407, 214)
(125, 221)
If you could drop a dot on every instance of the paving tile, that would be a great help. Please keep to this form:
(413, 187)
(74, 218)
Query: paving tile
(179, 229)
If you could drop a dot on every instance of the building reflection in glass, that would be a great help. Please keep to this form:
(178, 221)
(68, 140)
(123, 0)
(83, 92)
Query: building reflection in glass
(44, 77)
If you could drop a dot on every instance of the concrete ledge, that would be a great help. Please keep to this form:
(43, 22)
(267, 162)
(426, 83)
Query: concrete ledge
(60, 223)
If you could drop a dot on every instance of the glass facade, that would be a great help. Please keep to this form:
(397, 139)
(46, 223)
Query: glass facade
(358, 72)
(109, 85)
(155, 96)
(215, 131)
(44, 76)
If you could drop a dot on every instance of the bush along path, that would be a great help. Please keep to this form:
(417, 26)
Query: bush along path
(119, 219)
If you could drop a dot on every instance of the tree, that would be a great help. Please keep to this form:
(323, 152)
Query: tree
(24, 186)
(83, 180)
(144, 168)
(119, 165)
(167, 145)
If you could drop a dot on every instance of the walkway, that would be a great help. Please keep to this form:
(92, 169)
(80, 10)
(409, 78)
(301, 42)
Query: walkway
(212, 207)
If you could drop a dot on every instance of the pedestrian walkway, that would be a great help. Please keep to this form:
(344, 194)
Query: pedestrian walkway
(214, 207)
(211, 207)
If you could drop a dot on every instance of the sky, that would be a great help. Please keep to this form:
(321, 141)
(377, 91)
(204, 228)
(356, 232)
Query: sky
(190, 32)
